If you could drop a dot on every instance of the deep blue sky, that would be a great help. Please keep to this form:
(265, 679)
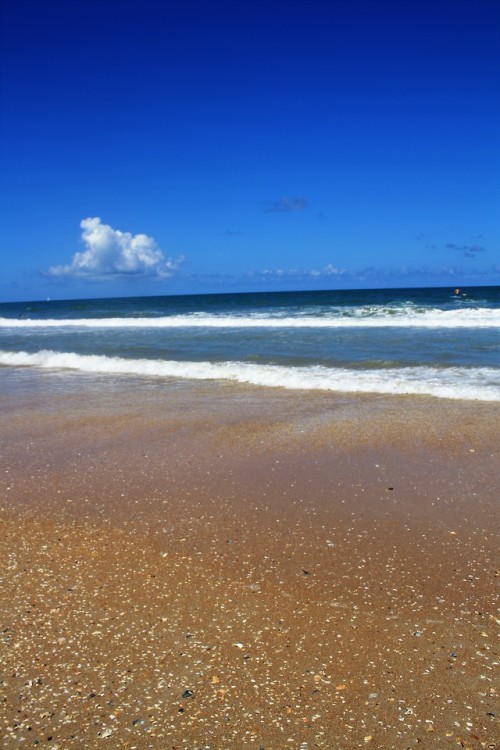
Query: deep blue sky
(257, 145)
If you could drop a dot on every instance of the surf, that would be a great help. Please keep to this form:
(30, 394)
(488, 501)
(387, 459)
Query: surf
(474, 383)
(345, 318)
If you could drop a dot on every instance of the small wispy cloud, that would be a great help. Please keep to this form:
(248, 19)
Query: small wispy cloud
(285, 205)
(112, 253)
(297, 274)
(427, 239)
(232, 233)
(468, 250)
(374, 275)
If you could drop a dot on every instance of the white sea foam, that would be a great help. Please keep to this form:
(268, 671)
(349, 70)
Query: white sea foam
(366, 317)
(476, 383)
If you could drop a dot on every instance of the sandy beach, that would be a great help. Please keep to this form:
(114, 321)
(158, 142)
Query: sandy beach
(227, 567)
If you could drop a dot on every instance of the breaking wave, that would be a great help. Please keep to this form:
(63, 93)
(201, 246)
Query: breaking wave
(364, 317)
(474, 383)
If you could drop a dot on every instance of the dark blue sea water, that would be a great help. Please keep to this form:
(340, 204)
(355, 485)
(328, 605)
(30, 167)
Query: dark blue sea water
(436, 342)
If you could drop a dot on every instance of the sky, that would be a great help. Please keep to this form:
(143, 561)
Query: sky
(187, 146)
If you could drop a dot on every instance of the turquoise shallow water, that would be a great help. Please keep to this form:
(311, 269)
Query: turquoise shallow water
(422, 341)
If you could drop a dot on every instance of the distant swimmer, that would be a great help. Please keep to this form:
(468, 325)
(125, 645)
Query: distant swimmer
(459, 293)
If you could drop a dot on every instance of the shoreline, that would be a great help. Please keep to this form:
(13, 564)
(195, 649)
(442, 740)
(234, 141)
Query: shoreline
(223, 567)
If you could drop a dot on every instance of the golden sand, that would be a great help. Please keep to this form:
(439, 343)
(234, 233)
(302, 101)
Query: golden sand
(230, 568)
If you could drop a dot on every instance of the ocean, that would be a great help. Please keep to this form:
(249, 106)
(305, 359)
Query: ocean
(431, 342)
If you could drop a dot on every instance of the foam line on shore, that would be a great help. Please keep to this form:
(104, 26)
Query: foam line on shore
(475, 383)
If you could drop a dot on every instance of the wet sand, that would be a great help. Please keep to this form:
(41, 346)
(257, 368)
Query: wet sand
(223, 567)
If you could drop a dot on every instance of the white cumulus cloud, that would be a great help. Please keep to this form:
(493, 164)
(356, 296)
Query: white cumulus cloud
(109, 252)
